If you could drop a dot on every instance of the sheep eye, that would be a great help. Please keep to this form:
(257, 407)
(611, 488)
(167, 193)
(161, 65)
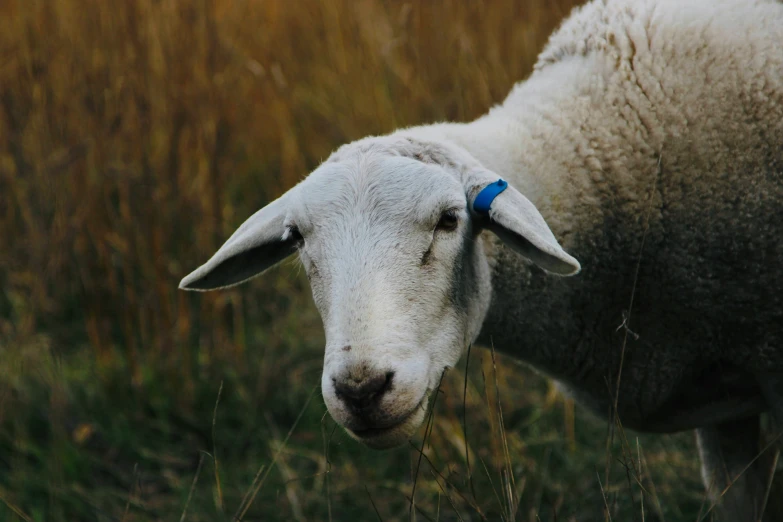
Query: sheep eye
(448, 221)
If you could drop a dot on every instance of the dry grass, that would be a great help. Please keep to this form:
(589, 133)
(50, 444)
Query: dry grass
(134, 137)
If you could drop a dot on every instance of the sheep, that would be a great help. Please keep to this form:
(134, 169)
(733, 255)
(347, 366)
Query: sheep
(648, 144)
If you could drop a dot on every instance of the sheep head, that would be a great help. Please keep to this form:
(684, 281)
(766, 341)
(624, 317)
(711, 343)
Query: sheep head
(388, 237)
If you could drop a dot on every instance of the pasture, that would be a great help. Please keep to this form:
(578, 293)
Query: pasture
(134, 137)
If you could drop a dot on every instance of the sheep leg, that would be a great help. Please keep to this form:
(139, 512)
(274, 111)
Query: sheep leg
(729, 471)
(772, 390)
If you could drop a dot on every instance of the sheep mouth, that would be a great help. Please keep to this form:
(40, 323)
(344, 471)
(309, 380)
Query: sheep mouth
(393, 435)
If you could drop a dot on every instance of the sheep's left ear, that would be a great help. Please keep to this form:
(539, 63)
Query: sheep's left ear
(517, 222)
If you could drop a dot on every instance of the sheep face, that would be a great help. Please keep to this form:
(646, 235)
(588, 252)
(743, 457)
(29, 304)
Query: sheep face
(401, 284)
(390, 245)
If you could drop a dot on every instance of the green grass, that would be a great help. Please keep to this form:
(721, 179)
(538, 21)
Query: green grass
(79, 443)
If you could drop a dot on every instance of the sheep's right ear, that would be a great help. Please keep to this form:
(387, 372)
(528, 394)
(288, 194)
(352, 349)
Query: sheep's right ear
(256, 245)
(517, 222)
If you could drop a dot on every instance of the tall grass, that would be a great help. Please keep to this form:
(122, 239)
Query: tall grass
(134, 137)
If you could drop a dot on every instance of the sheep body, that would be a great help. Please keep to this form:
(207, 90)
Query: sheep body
(650, 137)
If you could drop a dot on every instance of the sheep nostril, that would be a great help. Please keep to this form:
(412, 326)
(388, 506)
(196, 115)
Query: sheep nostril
(387, 384)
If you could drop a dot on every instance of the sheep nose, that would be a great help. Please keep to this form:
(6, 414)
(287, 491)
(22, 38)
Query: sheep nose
(363, 394)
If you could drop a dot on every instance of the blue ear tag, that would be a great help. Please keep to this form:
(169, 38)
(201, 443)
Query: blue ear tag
(487, 195)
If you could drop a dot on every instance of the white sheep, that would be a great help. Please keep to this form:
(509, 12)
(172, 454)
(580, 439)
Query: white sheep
(648, 142)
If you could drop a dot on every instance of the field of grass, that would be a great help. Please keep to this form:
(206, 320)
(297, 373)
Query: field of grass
(134, 137)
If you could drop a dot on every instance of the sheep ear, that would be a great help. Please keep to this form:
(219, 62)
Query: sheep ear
(256, 245)
(519, 224)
